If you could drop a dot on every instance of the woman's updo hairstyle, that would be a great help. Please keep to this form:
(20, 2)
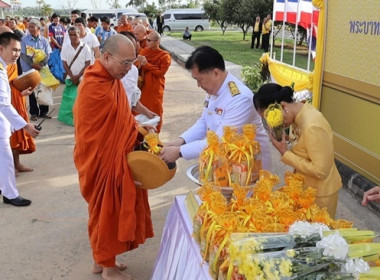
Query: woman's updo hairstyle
(272, 93)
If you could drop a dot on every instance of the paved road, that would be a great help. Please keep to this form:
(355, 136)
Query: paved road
(48, 240)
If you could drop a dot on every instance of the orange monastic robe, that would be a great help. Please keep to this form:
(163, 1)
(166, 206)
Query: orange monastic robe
(105, 132)
(127, 27)
(142, 44)
(152, 92)
(20, 139)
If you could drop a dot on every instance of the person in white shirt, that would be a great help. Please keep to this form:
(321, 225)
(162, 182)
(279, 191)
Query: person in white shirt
(88, 38)
(229, 103)
(76, 58)
(10, 120)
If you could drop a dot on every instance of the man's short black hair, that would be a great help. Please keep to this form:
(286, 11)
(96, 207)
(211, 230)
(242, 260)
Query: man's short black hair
(206, 59)
(93, 19)
(80, 20)
(77, 12)
(6, 37)
(55, 15)
(105, 19)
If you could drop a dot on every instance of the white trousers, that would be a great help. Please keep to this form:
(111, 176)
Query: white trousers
(7, 170)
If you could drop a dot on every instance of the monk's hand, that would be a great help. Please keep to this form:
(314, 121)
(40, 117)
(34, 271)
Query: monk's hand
(150, 114)
(137, 183)
(149, 127)
(281, 146)
(170, 154)
(31, 129)
(371, 195)
(27, 91)
(141, 59)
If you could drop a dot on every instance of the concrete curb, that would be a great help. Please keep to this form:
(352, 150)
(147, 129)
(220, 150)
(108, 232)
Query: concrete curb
(356, 185)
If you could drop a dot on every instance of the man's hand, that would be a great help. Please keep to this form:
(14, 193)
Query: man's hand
(170, 154)
(27, 91)
(37, 67)
(31, 129)
(177, 142)
(371, 195)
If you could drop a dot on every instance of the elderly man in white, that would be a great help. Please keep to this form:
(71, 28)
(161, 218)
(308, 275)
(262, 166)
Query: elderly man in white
(10, 120)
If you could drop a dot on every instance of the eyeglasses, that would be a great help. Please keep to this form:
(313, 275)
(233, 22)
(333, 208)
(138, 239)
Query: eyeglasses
(149, 40)
(125, 62)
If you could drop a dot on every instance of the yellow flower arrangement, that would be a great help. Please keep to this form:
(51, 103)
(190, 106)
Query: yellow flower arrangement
(275, 120)
(268, 210)
(152, 141)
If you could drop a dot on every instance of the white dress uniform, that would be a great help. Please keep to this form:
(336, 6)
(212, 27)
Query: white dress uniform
(129, 82)
(10, 121)
(231, 106)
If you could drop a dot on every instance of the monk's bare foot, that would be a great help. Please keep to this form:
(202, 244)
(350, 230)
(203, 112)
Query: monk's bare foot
(16, 172)
(97, 269)
(23, 168)
(112, 273)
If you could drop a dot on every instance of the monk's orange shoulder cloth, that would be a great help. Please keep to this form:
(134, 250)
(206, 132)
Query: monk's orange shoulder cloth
(128, 27)
(105, 131)
(20, 139)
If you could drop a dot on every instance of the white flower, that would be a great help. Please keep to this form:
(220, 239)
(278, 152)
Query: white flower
(305, 229)
(355, 267)
(334, 246)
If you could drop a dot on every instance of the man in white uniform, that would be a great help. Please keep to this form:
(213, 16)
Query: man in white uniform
(10, 120)
(229, 103)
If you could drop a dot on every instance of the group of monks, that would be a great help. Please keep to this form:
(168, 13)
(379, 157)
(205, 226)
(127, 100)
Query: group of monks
(152, 62)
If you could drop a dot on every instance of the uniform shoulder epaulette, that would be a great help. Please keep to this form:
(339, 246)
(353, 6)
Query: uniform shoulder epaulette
(1, 66)
(233, 89)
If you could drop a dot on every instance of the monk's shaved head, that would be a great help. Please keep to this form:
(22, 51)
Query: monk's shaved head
(154, 35)
(118, 55)
(115, 42)
(5, 28)
(139, 28)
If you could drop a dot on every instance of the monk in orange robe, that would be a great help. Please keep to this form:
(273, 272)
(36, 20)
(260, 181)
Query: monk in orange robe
(140, 33)
(105, 132)
(124, 25)
(154, 63)
(21, 141)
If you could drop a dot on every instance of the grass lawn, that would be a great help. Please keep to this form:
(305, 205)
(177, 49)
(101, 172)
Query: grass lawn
(234, 49)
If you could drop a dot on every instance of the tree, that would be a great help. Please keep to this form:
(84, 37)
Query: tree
(114, 4)
(70, 4)
(135, 3)
(214, 10)
(40, 3)
(244, 12)
(150, 10)
(96, 3)
(46, 10)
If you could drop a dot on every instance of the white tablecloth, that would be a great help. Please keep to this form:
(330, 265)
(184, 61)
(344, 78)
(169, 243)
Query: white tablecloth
(179, 255)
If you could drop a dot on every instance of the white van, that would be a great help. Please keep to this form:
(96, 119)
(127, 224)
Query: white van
(179, 19)
(113, 14)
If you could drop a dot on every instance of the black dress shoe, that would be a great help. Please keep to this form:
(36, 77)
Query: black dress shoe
(18, 201)
(45, 116)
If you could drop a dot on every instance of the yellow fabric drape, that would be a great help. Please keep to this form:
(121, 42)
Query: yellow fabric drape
(318, 70)
(285, 75)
